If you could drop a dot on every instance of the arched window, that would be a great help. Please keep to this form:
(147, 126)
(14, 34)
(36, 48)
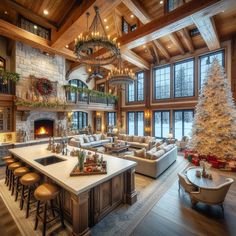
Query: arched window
(78, 84)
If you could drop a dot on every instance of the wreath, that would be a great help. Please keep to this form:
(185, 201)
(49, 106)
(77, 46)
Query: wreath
(44, 86)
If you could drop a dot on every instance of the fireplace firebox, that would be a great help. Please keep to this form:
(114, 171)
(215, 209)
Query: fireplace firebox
(43, 128)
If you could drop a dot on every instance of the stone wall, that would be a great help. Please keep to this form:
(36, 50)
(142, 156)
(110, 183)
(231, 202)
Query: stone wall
(31, 61)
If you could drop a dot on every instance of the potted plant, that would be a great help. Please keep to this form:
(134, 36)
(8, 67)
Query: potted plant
(81, 157)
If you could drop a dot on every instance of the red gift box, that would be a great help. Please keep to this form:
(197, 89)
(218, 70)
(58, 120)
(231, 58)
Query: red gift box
(195, 162)
(215, 164)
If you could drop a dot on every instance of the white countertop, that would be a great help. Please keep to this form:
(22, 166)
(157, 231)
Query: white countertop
(60, 172)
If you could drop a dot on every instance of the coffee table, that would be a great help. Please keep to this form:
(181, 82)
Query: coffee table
(115, 148)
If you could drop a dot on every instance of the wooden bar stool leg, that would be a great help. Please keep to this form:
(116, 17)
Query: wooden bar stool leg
(28, 202)
(61, 211)
(52, 206)
(10, 181)
(6, 174)
(37, 214)
(17, 188)
(44, 218)
(22, 197)
(13, 184)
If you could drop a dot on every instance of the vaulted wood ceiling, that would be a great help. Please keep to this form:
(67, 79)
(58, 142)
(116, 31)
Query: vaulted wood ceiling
(160, 35)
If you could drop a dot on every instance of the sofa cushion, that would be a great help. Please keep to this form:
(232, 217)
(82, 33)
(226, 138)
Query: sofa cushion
(157, 154)
(148, 139)
(168, 147)
(141, 139)
(136, 139)
(161, 147)
(151, 151)
(86, 139)
(104, 141)
(130, 138)
(140, 153)
(91, 138)
(79, 138)
(85, 145)
(121, 136)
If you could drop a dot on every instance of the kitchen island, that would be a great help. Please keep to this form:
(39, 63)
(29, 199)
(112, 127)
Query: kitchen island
(86, 199)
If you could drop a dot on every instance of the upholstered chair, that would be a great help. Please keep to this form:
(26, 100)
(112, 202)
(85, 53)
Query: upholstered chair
(185, 184)
(212, 196)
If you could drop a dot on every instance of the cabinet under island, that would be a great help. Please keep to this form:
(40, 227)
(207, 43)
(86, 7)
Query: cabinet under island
(86, 199)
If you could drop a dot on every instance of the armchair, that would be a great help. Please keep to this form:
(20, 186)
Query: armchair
(183, 143)
(212, 196)
(185, 184)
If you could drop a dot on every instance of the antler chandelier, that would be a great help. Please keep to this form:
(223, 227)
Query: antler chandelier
(121, 75)
(94, 47)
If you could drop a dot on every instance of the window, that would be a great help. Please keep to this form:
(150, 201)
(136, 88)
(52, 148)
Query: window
(135, 123)
(183, 120)
(111, 118)
(124, 26)
(161, 124)
(205, 63)
(184, 79)
(79, 84)
(79, 120)
(162, 82)
(136, 90)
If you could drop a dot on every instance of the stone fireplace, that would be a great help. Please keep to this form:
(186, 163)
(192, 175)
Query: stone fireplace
(45, 124)
(43, 128)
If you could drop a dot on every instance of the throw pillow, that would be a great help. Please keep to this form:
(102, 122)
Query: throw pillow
(150, 152)
(86, 139)
(157, 154)
(91, 138)
(148, 139)
(95, 136)
(125, 137)
(168, 147)
(161, 147)
(120, 136)
(140, 153)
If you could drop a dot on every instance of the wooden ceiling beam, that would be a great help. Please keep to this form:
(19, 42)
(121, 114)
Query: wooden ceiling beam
(30, 15)
(77, 20)
(175, 40)
(13, 32)
(162, 49)
(117, 25)
(174, 21)
(157, 58)
(187, 39)
(207, 29)
(137, 10)
(135, 59)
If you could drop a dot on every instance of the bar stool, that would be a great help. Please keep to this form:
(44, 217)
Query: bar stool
(11, 168)
(44, 193)
(19, 172)
(8, 162)
(28, 182)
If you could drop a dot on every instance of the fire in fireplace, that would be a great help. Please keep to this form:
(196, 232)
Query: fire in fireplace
(43, 129)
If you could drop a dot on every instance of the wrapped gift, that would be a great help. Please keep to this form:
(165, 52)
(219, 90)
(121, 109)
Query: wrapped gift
(195, 161)
(214, 164)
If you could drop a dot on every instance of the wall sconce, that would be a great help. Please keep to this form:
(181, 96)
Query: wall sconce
(147, 114)
(98, 114)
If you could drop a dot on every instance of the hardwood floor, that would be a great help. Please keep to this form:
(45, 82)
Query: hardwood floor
(173, 215)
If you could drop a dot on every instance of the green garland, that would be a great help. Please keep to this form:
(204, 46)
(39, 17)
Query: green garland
(7, 75)
(90, 92)
(37, 104)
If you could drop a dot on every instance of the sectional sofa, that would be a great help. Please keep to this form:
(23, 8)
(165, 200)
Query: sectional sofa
(88, 141)
(154, 162)
(146, 142)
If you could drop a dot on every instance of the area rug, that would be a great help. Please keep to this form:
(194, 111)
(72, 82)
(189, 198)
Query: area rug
(121, 221)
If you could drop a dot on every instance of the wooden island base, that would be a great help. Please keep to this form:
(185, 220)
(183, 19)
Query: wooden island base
(86, 199)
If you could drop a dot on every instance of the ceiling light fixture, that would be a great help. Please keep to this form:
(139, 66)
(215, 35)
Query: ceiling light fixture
(67, 46)
(132, 16)
(105, 20)
(35, 27)
(45, 12)
(161, 2)
(89, 44)
(120, 75)
(6, 12)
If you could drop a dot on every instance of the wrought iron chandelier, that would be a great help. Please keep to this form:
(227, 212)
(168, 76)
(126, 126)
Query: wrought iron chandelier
(94, 47)
(120, 75)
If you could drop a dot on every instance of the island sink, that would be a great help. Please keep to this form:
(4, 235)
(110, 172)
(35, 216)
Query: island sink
(45, 161)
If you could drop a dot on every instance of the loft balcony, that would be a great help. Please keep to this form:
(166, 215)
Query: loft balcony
(7, 87)
(90, 102)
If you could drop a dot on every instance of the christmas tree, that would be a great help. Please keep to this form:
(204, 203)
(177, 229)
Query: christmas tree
(214, 126)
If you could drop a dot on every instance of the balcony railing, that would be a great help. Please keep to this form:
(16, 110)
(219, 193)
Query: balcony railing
(7, 87)
(75, 98)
